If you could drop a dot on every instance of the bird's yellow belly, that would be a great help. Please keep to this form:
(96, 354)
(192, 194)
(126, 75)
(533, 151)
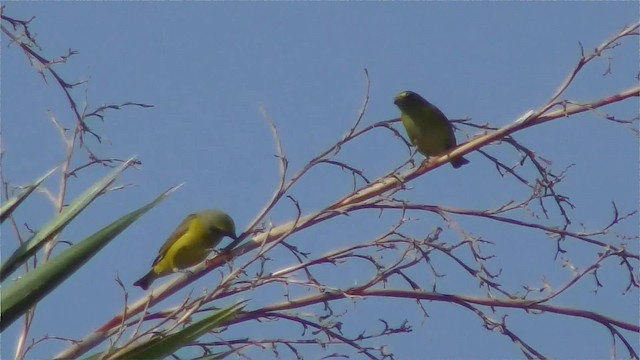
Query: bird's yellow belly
(191, 249)
(430, 144)
(179, 258)
(430, 139)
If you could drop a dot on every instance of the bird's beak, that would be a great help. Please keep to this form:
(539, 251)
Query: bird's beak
(233, 236)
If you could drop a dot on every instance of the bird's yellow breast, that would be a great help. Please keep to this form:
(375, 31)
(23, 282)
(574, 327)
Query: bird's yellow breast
(188, 250)
(427, 134)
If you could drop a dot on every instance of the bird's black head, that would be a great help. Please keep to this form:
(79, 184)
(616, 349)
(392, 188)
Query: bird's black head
(408, 98)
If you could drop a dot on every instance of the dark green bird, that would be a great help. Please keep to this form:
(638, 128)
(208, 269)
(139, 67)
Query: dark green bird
(427, 127)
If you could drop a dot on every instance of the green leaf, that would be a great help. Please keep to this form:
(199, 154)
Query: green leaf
(7, 209)
(161, 347)
(29, 248)
(35, 285)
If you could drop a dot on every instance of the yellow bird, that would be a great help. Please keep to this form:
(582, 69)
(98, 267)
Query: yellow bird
(190, 244)
(427, 127)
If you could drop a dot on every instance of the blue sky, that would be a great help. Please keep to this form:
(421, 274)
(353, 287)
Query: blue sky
(208, 68)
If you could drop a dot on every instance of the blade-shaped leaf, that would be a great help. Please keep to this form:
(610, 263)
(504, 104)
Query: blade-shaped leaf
(13, 203)
(34, 285)
(161, 347)
(29, 248)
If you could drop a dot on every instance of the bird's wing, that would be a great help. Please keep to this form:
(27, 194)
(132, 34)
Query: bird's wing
(440, 116)
(451, 139)
(177, 233)
(444, 121)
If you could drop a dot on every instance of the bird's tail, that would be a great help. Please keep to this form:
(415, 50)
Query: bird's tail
(457, 162)
(145, 281)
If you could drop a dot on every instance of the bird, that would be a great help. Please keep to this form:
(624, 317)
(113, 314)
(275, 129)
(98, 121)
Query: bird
(427, 127)
(189, 244)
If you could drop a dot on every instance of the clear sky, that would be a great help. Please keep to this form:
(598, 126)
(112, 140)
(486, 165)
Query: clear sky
(208, 67)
